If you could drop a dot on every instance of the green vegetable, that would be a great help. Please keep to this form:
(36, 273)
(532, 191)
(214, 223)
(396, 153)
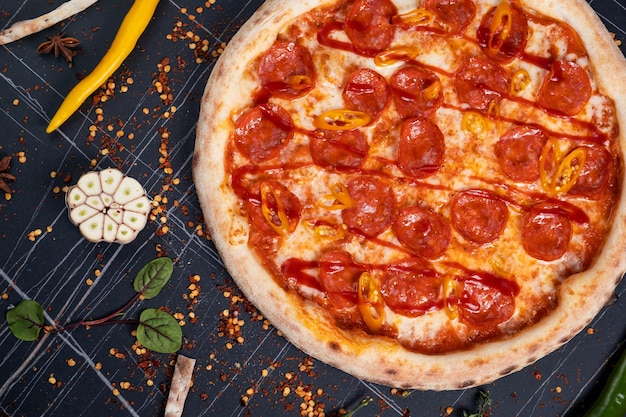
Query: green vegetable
(484, 405)
(612, 399)
(364, 402)
(159, 331)
(153, 277)
(26, 320)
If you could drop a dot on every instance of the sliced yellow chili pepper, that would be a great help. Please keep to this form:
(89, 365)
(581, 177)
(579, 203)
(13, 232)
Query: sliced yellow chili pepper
(299, 82)
(520, 81)
(474, 123)
(338, 199)
(494, 112)
(342, 119)
(568, 169)
(500, 27)
(326, 231)
(282, 228)
(450, 287)
(432, 91)
(416, 17)
(133, 25)
(394, 55)
(370, 302)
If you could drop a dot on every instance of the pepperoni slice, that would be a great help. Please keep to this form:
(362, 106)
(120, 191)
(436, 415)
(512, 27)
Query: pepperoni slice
(411, 287)
(367, 91)
(518, 152)
(368, 25)
(417, 92)
(514, 43)
(263, 131)
(374, 206)
(565, 90)
(289, 202)
(486, 300)
(546, 232)
(421, 149)
(479, 81)
(422, 230)
(342, 149)
(339, 277)
(454, 15)
(479, 215)
(595, 179)
(286, 70)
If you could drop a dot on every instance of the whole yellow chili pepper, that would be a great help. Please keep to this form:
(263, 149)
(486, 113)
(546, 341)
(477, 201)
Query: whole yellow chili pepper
(133, 25)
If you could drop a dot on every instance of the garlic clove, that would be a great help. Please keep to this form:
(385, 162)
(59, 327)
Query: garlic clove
(90, 183)
(135, 221)
(117, 215)
(93, 228)
(110, 179)
(95, 202)
(125, 234)
(107, 200)
(111, 226)
(75, 197)
(82, 213)
(140, 205)
(129, 190)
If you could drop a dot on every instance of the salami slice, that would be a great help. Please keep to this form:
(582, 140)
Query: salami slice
(374, 206)
(503, 44)
(273, 209)
(479, 81)
(342, 149)
(368, 25)
(367, 91)
(556, 92)
(479, 215)
(595, 179)
(411, 287)
(486, 300)
(339, 277)
(422, 230)
(286, 70)
(518, 152)
(453, 15)
(263, 131)
(546, 232)
(417, 92)
(421, 149)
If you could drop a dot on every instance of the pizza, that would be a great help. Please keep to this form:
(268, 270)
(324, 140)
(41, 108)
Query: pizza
(423, 194)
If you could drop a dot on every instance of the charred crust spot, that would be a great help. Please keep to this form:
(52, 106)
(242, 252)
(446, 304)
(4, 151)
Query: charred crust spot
(194, 160)
(507, 371)
(467, 384)
(391, 372)
(334, 346)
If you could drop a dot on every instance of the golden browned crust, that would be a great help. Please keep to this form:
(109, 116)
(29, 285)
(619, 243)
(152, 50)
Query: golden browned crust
(309, 326)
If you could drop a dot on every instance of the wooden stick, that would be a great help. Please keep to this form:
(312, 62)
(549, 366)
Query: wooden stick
(24, 28)
(181, 382)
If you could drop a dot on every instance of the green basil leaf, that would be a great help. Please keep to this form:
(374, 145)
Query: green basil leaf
(25, 320)
(159, 331)
(153, 277)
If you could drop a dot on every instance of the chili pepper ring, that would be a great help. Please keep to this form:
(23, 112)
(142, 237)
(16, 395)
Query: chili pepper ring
(133, 25)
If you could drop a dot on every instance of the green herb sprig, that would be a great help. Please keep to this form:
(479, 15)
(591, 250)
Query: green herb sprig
(157, 330)
(484, 403)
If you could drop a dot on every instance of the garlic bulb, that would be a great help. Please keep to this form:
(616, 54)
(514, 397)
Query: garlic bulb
(108, 206)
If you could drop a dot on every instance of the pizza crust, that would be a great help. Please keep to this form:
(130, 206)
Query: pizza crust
(310, 327)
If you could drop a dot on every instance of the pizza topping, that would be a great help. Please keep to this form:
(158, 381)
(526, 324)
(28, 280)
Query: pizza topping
(286, 70)
(485, 300)
(503, 32)
(370, 302)
(416, 92)
(339, 276)
(422, 230)
(555, 94)
(368, 25)
(479, 81)
(367, 91)
(325, 230)
(263, 131)
(475, 124)
(520, 80)
(396, 54)
(454, 15)
(411, 287)
(559, 174)
(272, 207)
(595, 176)
(338, 199)
(374, 206)
(546, 232)
(479, 215)
(415, 17)
(519, 151)
(342, 149)
(341, 119)
(421, 149)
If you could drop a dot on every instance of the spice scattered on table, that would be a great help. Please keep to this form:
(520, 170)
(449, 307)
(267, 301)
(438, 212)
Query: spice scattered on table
(60, 45)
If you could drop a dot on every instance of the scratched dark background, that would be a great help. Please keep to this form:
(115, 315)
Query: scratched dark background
(148, 130)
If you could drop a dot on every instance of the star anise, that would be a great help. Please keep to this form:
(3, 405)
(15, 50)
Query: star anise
(4, 176)
(60, 45)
